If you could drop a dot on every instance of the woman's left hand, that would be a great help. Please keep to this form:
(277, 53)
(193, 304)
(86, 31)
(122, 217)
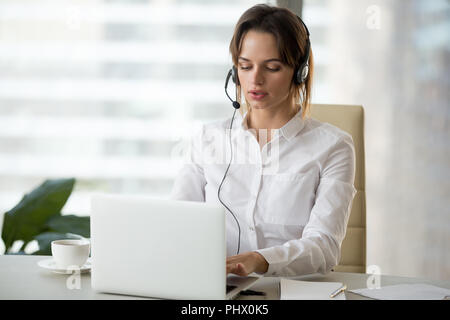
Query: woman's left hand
(245, 263)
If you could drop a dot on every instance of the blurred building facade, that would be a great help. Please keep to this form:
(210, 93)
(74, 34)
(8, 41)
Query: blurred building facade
(104, 90)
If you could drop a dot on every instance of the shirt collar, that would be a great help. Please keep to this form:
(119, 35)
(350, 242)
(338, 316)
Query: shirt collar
(288, 131)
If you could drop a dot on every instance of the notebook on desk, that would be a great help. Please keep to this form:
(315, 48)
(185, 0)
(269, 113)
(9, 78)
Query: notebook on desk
(407, 291)
(309, 290)
(160, 248)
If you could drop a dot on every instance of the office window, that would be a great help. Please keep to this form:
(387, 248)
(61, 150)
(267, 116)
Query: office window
(104, 90)
(392, 57)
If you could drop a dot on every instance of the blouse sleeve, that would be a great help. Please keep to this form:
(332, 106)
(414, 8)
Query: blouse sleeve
(190, 182)
(319, 248)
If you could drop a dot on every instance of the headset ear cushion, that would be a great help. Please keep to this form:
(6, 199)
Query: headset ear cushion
(305, 72)
(234, 75)
(302, 74)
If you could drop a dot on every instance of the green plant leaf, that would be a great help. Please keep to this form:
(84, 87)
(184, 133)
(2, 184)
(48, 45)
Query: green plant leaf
(28, 218)
(45, 241)
(70, 224)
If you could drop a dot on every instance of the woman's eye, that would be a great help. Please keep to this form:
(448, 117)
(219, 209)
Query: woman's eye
(270, 69)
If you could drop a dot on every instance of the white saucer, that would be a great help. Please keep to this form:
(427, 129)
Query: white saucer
(50, 264)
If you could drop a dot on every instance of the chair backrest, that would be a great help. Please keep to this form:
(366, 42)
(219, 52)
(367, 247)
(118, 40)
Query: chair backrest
(350, 119)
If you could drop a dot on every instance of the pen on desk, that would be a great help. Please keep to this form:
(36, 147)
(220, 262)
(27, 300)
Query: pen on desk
(252, 293)
(341, 289)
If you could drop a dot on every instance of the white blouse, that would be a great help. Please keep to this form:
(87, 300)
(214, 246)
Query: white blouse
(292, 197)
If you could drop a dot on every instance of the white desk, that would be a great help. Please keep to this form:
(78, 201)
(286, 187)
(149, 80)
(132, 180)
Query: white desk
(21, 278)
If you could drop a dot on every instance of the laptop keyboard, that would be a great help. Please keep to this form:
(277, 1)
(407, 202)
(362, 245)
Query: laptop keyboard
(229, 288)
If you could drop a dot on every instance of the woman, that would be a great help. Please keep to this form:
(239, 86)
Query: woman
(289, 185)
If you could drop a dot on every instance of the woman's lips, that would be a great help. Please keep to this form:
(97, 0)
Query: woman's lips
(255, 96)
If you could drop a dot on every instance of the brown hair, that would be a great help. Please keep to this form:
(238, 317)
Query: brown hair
(291, 38)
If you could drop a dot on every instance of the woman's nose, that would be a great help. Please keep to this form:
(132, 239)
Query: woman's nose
(257, 76)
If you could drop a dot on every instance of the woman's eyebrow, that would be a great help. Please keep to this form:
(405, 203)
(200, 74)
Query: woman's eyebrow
(268, 60)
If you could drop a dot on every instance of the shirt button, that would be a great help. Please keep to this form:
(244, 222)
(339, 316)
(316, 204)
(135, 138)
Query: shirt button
(252, 229)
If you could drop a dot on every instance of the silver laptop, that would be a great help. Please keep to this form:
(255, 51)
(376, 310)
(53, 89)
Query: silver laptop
(152, 247)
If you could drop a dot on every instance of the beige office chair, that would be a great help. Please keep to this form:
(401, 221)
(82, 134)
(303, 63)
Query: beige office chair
(350, 119)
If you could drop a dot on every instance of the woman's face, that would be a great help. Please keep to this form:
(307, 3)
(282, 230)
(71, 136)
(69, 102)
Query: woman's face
(260, 68)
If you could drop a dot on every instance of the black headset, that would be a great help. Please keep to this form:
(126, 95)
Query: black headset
(300, 76)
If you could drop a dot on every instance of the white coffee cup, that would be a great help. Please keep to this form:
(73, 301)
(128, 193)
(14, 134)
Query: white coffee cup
(67, 253)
